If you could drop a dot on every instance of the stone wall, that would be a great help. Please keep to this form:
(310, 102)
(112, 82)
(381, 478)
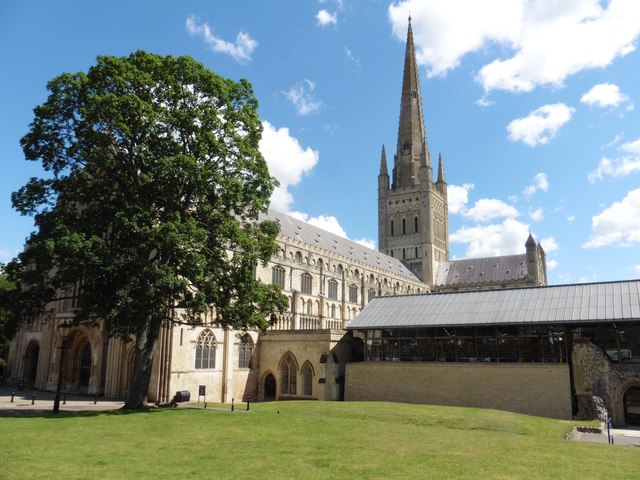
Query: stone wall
(599, 384)
(534, 389)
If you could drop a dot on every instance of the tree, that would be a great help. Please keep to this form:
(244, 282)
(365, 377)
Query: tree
(152, 206)
(8, 325)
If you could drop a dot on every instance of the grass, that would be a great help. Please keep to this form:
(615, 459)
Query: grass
(305, 440)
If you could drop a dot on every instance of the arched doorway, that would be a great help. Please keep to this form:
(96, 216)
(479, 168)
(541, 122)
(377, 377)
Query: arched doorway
(84, 374)
(632, 406)
(31, 355)
(269, 388)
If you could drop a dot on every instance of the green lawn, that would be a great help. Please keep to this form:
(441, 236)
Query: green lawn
(305, 440)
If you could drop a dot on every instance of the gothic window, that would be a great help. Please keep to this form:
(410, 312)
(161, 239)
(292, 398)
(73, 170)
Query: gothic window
(392, 228)
(298, 257)
(308, 307)
(404, 253)
(307, 379)
(333, 289)
(404, 226)
(288, 373)
(391, 253)
(206, 350)
(353, 293)
(277, 276)
(333, 311)
(371, 294)
(414, 94)
(406, 146)
(415, 224)
(416, 256)
(307, 282)
(245, 351)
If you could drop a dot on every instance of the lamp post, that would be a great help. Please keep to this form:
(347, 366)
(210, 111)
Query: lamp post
(64, 330)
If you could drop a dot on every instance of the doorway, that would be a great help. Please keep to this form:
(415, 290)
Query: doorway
(269, 388)
(632, 406)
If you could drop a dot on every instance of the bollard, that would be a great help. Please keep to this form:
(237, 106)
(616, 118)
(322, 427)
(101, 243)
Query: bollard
(64, 399)
(232, 407)
(33, 398)
(205, 404)
(248, 401)
(13, 394)
(95, 398)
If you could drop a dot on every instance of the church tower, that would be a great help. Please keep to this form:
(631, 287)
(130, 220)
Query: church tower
(413, 215)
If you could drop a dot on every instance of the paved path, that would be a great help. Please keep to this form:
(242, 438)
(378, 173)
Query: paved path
(24, 402)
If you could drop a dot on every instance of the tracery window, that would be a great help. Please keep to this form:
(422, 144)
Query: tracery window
(245, 352)
(371, 294)
(306, 283)
(333, 290)
(206, 350)
(277, 276)
(353, 293)
(288, 373)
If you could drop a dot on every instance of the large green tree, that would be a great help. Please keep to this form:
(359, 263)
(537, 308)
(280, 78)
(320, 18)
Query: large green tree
(152, 202)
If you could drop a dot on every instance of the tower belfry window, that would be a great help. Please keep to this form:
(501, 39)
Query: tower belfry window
(414, 94)
(406, 146)
(404, 226)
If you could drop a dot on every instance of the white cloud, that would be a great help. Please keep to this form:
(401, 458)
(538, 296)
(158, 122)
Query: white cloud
(552, 264)
(487, 209)
(352, 58)
(458, 196)
(288, 161)
(540, 125)
(618, 167)
(537, 214)
(542, 42)
(506, 238)
(367, 242)
(484, 102)
(240, 51)
(571, 218)
(300, 95)
(325, 222)
(325, 18)
(604, 95)
(540, 182)
(617, 225)
(637, 269)
(8, 254)
(549, 244)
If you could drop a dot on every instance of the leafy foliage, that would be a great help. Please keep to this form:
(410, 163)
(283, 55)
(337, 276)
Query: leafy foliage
(153, 200)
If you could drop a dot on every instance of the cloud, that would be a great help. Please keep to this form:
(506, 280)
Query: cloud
(540, 125)
(637, 269)
(537, 214)
(552, 264)
(366, 242)
(458, 196)
(540, 42)
(240, 51)
(617, 225)
(604, 95)
(8, 254)
(540, 182)
(324, 18)
(487, 209)
(549, 244)
(506, 238)
(300, 95)
(618, 167)
(352, 58)
(484, 102)
(288, 161)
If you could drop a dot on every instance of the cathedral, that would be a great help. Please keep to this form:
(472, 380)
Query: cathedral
(324, 348)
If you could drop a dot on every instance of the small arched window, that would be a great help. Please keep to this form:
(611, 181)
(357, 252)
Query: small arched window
(306, 283)
(245, 352)
(288, 375)
(277, 276)
(307, 379)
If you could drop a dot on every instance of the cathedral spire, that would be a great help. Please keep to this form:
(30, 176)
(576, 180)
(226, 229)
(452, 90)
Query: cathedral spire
(383, 162)
(412, 150)
(440, 170)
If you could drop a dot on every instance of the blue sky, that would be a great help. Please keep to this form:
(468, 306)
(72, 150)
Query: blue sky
(533, 105)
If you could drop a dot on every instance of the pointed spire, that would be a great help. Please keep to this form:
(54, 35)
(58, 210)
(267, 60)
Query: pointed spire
(440, 170)
(412, 150)
(383, 162)
(530, 241)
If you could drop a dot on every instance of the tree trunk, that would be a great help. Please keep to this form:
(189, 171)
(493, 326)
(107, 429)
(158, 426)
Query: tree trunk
(146, 342)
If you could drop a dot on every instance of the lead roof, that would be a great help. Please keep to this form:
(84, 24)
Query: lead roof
(558, 304)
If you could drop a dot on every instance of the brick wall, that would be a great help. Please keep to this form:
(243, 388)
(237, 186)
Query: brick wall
(532, 389)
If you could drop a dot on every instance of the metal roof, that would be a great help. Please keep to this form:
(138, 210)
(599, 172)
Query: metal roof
(505, 268)
(335, 245)
(579, 303)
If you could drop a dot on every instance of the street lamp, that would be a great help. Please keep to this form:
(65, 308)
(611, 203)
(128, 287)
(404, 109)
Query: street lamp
(64, 330)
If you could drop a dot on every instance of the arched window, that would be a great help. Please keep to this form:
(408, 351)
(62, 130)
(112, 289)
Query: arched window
(288, 374)
(392, 228)
(415, 224)
(307, 379)
(309, 307)
(404, 226)
(298, 257)
(371, 294)
(333, 289)
(353, 293)
(333, 311)
(277, 276)
(206, 350)
(245, 352)
(306, 283)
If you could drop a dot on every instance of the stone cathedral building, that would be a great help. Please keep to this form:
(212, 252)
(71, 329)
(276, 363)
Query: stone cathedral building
(322, 348)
